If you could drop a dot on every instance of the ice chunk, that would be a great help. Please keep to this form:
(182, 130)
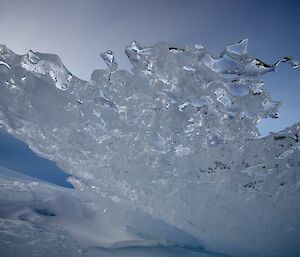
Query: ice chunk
(134, 51)
(32, 57)
(294, 63)
(109, 59)
(222, 97)
(239, 48)
(238, 90)
(176, 140)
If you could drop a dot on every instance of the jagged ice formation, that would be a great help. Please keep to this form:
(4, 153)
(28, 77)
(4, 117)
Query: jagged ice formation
(176, 140)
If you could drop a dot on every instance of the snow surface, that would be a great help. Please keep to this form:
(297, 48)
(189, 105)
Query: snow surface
(41, 219)
(165, 158)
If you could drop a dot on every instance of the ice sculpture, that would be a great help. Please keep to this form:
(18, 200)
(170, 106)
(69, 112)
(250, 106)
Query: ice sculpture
(176, 140)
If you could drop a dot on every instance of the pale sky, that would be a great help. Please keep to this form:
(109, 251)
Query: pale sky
(78, 31)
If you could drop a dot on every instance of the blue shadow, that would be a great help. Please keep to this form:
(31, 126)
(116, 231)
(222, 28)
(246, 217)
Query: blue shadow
(16, 155)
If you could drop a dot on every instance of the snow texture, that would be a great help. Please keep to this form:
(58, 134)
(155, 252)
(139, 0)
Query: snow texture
(165, 155)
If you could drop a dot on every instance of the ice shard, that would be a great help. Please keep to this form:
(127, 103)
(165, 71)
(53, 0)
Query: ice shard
(176, 140)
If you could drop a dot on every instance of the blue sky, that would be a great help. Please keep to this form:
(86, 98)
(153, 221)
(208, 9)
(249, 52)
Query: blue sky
(79, 30)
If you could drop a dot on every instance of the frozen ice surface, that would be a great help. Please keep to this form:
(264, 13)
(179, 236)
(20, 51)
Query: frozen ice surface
(165, 155)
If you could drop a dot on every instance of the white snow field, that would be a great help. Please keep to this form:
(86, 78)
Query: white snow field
(165, 160)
